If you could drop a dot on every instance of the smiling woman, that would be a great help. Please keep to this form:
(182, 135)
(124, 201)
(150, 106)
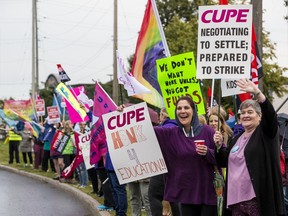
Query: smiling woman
(190, 176)
(252, 159)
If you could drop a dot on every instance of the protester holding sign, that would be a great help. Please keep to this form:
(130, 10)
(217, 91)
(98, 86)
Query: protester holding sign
(55, 155)
(159, 206)
(46, 137)
(68, 148)
(189, 180)
(252, 159)
(81, 168)
(216, 120)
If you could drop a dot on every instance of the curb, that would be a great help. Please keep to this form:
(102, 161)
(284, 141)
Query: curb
(88, 201)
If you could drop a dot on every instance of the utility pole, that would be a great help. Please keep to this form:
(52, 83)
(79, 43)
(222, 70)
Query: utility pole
(258, 20)
(115, 47)
(35, 68)
(36, 51)
(33, 50)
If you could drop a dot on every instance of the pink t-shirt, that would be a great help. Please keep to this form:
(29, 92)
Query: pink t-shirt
(240, 187)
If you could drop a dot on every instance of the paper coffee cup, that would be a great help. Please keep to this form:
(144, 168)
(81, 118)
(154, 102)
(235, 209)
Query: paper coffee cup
(199, 142)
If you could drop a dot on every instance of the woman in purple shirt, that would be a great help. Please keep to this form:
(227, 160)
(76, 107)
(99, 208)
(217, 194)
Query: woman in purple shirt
(254, 185)
(189, 180)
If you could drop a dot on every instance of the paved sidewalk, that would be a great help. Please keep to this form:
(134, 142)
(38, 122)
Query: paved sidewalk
(87, 201)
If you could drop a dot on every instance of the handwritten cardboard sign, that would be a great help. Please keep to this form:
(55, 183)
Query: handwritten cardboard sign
(132, 144)
(177, 77)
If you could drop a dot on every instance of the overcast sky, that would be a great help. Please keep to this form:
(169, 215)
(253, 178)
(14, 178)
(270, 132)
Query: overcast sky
(79, 35)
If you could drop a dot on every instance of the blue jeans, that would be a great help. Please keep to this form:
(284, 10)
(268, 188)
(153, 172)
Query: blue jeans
(83, 175)
(119, 194)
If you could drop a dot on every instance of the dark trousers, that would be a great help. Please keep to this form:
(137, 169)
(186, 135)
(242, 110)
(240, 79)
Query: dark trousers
(106, 188)
(198, 210)
(14, 148)
(24, 154)
(38, 155)
(46, 159)
(119, 194)
(92, 173)
(67, 159)
(156, 196)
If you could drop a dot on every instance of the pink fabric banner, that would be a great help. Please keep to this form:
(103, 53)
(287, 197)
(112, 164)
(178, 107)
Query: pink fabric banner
(73, 114)
(102, 105)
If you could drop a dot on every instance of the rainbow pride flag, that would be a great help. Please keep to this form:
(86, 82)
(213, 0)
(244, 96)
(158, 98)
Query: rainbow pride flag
(19, 110)
(149, 48)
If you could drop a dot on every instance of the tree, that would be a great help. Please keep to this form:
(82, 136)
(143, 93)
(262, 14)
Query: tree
(186, 10)
(181, 36)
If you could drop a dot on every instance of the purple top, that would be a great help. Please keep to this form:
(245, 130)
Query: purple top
(240, 187)
(190, 176)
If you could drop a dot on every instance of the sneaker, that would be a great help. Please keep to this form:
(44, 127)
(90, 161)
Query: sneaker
(62, 180)
(82, 186)
(69, 181)
(56, 178)
(100, 194)
(104, 208)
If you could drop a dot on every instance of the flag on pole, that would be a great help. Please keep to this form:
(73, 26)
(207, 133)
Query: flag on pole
(102, 105)
(68, 171)
(9, 122)
(19, 110)
(125, 78)
(151, 45)
(73, 107)
(256, 68)
(63, 76)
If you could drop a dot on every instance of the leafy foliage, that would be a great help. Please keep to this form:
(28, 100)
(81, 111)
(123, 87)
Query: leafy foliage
(181, 36)
(168, 9)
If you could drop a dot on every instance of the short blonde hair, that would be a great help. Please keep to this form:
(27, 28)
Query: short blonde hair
(223, 113)
(202, 119)
(164, 112)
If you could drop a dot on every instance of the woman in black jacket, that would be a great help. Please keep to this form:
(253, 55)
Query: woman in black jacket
(252, 159)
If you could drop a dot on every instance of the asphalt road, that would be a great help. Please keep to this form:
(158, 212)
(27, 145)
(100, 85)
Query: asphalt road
(23, 196)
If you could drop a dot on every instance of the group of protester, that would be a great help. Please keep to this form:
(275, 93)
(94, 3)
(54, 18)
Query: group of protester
(247, 160)
(250, 157)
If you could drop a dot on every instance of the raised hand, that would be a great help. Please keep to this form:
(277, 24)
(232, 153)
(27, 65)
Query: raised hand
(247, 86)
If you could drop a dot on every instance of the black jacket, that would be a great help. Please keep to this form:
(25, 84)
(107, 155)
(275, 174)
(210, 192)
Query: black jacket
(262, 154)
